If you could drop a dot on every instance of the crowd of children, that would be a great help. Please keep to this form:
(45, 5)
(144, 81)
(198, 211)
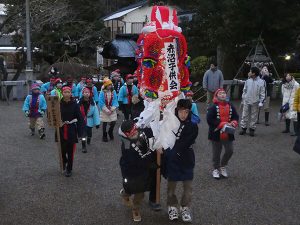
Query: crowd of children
(82, 107)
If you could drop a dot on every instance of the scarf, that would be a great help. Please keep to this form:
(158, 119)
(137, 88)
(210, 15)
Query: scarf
(108, 103)
(129, 93)
(84, 109)
(289, 85)
(34, 105)
(224, 113)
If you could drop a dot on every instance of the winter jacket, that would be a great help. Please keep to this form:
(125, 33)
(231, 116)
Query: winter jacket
(288, 91)
(137, 108)
(95, 94)
(296, 105)
(123, 95)
(104, 108)
(69, 112)
(56, 92)
(214, 120)
(180, 160)
(118, 84)
(254, 91)
(268, 84)
(79, 87)
(91, 118)
(213, 80)
(131, 163)
(47, 87)
(42, 105)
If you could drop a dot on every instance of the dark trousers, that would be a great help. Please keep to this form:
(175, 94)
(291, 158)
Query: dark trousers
(67, 150)
(152, 193)
(87, 132)
(111, 127)
(127, 111)
(217, 150)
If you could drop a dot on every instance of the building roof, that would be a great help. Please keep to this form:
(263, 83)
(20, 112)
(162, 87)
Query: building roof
(123, 11)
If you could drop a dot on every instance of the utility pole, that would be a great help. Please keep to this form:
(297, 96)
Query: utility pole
(28, 71)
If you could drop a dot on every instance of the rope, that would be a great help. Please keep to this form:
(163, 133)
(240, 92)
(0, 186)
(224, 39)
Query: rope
(201, 97)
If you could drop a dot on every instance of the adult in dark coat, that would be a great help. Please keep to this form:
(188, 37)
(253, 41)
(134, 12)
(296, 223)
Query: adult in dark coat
(222, 119)
(70, 131)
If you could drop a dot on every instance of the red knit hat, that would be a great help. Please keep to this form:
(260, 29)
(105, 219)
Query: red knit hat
(215, 99)
(129, 76)
(89, 80)
(189, 94)
(64, 88)
(58, 80)
(35, 86)
(86, 89)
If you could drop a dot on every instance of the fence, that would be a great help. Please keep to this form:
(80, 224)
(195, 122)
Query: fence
(19, 89)
(234, 90)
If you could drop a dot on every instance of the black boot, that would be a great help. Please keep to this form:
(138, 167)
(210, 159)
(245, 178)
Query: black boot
(111, 135)
(295, 128)
(267, 118)
(287, 126)
(252, 132)
(243, 131)
(83, 143)
(32, 131)
(88, 140)
(42, 133)
(104, 138)
(68, 173)
(111, 130)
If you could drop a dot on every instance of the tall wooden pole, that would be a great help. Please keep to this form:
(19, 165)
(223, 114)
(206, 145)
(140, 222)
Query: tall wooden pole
(158, 161)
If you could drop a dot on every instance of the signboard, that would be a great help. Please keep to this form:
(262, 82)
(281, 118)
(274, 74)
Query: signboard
(171, 69)
(54, 120)
(53, 111)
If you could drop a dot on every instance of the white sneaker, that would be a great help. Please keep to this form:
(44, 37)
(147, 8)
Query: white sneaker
(223, 172)
(186, 214)
(216, 174)
(173, 213)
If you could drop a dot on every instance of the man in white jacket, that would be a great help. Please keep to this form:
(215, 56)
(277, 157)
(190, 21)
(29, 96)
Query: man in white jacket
(253, 97)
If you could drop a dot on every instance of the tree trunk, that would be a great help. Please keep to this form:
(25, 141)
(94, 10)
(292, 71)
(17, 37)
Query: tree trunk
(20, 67)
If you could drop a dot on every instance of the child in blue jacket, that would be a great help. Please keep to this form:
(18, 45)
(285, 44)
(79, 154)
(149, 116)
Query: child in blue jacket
(94, 92)
(108, 104)
(195, 117)
(127, 91)
(34, 108)
(90, 114)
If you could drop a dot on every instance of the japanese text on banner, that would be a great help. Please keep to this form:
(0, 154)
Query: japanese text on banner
(171, 66)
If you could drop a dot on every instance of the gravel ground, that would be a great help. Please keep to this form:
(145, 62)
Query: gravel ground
(263, 188)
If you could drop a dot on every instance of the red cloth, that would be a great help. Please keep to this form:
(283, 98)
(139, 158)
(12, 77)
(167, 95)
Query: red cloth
(129, 95)
(65, 127)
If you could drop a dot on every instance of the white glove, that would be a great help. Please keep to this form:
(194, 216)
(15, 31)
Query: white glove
(26, 113)
(260, 104)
